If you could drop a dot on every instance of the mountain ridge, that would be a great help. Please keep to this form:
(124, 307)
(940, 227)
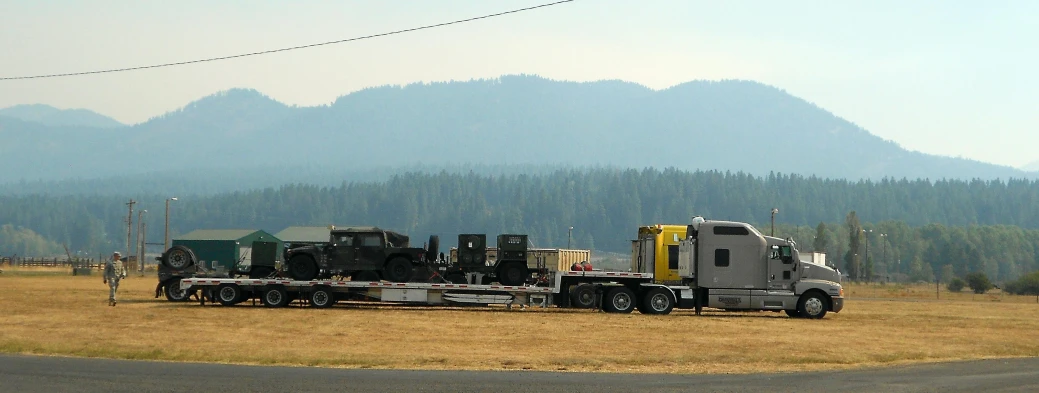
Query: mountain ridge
(515, 119)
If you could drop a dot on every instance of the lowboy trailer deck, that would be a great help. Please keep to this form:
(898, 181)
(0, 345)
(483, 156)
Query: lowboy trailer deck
(615, 292)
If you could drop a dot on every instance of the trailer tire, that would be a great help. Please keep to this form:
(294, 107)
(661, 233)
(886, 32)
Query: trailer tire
(397, 270)
(619, 300)
(322, 297)
(275, 296)
(174, 292)
(513, 274)
(178, 258)
(365, 275)
(583, 296)
(229, 294)
(657, 301)
(433, 248)
(812, 305)
(302, 267)
(259, 272)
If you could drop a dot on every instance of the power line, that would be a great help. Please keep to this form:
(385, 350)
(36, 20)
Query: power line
(285, 49)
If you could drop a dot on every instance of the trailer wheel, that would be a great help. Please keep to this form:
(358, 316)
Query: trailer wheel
(513, 274)
(229, 294)
(812, 305)
(364, 275)
(259, 272)
(583, 296)
(178, 257)
(619, 300)
(397, 270)
(322, 297)
(174, 292)
(657, 301)
(302, 268)
(793, 313)
(275, 297)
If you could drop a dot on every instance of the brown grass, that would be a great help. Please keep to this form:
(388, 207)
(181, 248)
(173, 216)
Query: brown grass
(65, 315)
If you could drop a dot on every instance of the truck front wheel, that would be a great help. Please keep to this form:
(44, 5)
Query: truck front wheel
(657, 301)
(619, 300)
(397, 270)
(812, 305)
(302, 268)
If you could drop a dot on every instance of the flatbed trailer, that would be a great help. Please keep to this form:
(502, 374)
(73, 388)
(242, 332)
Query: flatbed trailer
(615, 292)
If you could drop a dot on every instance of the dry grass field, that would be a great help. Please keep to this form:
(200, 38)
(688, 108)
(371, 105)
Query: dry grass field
(55, 313)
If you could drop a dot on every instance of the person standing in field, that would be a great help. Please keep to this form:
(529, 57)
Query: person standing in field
(114, 271)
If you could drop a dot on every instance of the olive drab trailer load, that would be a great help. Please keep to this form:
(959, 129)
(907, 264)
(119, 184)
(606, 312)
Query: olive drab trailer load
(732, 266)
(216, 253)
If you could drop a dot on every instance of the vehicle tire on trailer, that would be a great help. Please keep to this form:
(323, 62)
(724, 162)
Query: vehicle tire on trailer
(275, 296)
(397, 270)
(259, 272)
(657, 301)
(302, 268)
(365, 275)
(619, 300)
(174, 292)
(793, 313)
(513, 274)
(433, 248)
(812, 305)
(583, 296)
(178, 257)
(322, 297)
(229, 294)
(456, 278)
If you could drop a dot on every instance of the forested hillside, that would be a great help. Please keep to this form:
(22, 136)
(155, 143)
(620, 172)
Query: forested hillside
(700, 125)
(970, 225)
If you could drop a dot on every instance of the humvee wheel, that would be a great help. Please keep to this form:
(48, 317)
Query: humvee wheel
(178, 257)
(302, 268)
(513, 274)
(397, 270)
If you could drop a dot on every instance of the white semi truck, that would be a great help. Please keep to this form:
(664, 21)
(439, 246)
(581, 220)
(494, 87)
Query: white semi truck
(726, 265)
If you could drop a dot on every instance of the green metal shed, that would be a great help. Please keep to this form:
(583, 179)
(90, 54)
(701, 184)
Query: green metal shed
(232, 249)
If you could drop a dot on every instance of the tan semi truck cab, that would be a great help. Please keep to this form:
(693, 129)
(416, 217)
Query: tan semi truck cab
(731, 265)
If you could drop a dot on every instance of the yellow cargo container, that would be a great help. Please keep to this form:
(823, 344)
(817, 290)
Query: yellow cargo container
(656, 251)
(555, 259)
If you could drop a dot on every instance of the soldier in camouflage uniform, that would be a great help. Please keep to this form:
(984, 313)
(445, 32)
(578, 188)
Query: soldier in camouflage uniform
(114, 271)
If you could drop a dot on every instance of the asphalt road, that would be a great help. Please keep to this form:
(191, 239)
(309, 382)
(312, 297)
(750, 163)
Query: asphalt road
(62, 374)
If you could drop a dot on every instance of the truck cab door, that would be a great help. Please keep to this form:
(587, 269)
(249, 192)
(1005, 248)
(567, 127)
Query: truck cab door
(781, 268)
(341, 252)
(369, 251)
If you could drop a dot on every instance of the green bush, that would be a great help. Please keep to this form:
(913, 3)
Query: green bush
(978, 282)
(956, 285)
(1026, 285)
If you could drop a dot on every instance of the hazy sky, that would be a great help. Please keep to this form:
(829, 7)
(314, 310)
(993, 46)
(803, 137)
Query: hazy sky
(944, 77)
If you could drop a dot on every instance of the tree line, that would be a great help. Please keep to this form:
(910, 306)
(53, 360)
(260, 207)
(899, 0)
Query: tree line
(914, 228)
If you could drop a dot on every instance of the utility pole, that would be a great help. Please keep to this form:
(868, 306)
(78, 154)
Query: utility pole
(140, 243)
(129, 225)
(144, 245)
